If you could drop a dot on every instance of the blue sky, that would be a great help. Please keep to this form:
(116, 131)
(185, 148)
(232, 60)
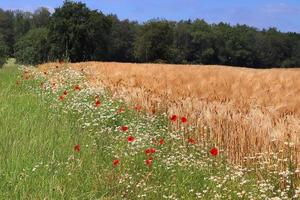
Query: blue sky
(285, 15)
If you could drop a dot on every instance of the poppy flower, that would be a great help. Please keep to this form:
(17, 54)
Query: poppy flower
(121, 110)
(150, 151)
(61, 97)
(98, 103)
(116, 162)
(183, 119)
(148, 162)
(173, 118)
(138, 108)
(124, 128)
(192, 141)
(77, 87)
(161, 141)
(65, 92)
(77, 147)
(130, 139)
(214, 151)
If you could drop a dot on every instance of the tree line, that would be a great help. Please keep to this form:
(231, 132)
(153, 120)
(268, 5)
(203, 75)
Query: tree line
(76, 33)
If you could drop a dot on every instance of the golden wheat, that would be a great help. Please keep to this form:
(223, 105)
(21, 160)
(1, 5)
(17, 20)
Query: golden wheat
(248, 111)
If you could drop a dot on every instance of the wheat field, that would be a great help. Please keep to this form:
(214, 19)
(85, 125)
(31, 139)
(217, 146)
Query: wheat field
(247, 111)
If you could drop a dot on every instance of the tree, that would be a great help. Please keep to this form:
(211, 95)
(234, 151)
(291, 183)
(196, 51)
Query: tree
(41, 17)
(32, 48)
(77, 33)
(154, 41)
(7, 30)
(3, 50)
(22, 23)
(122, 37)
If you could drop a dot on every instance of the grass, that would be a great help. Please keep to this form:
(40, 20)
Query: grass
(38, 159)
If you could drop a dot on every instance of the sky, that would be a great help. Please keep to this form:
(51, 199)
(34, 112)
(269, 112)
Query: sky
(285, 15)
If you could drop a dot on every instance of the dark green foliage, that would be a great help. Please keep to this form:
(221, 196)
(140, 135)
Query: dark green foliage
(122, 38)
(32, 48)
(7, 30)
(3, 51)
(41, 17)
(154, 41)
(76, 33)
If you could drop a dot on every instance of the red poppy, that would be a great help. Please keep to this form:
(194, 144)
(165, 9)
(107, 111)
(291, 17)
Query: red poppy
(77, 147)
(183, 119)
(77, 87)
(61, 97)
(130, 139)
(138, 108)
(161, 141)
(214, 151)
(150, 151)
(121, 110)
(173, 118)
(124, 128)
(148, 162)
(98, 103)
(192, 141)
(116, 162)
(65, 92)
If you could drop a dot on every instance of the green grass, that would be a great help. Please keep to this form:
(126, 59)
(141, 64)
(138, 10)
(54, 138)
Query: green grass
(38, 161)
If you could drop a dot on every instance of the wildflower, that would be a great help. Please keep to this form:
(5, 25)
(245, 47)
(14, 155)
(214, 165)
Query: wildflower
(130, 139)
(161, 141)
(148, 162)
(173, 118)
(124, 128)
(65, 92)
(150, 158)
(77, 147)
(98, 103)
(121, 110)
(183, 119)
(116, 162)
(150, 151)
(138, 108)
(77, 87)
(192, 141)
(214, 151)
(61, 97)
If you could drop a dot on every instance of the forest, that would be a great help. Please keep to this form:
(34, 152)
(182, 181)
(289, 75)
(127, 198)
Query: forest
(75, 33)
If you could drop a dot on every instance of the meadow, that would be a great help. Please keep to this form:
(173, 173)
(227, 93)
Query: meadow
(76, 132)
